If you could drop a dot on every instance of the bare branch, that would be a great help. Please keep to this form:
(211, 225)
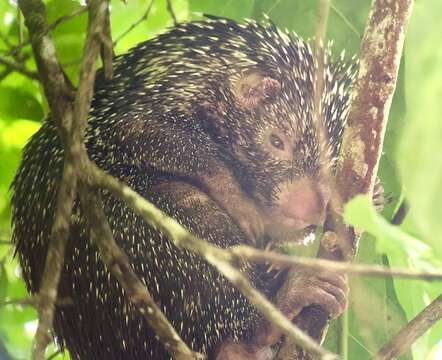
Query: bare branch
(56, 89)
(58, 94)
(49, 28)
(221, 259)
(345, 20)
(19, 59)
(30, 301)
(378, 68)
(69, 119)
(34, 302)
(362, 139)
(247, 253)
(20, 26)
(113, 256)
(107, 51)
(171, 12)
(19, 67)
(118, 264)
(412, 331)
(54, 355)
(135, 24)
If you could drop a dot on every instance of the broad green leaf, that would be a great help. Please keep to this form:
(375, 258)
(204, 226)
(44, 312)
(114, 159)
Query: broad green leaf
(16, 103)
(402, 250)
(419, 154)
(18, 133)
(361, 213)
(3, 280)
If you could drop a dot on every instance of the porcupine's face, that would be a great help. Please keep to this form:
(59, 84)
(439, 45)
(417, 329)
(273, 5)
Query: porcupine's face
(284, 157)
(288, 185)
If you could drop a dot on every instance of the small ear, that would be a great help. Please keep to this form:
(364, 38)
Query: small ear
(253, 87)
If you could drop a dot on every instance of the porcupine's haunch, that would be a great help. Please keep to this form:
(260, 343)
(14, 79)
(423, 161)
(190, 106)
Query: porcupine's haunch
(213, 122)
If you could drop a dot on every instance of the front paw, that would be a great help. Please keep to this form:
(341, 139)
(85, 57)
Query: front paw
(301, 289)
(326, 289)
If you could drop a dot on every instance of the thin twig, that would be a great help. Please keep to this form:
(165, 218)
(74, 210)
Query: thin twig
(34, 301)
(107, 51)
(30, 301)
(119, 265)
(343, 335)
(49, 28)
(72, 134)
(19, 67)
(54, 354)
(135, 24)
(363, 137)
(20, 26)
(248, 253)
(70, 121)
(171, 12)
(345, 20)
(219, 258)
(20, 59)
(412, 331)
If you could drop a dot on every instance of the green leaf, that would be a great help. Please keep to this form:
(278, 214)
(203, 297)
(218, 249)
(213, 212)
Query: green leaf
(419, 155)
(361, 213)
(19, 103)
(402, 250)
(3, 281)
(18, 133)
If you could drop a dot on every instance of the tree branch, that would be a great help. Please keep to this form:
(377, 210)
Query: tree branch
(19, 67)
(34, 302)
(71, 122)
(412, 331)
(221, 259)
(49, 28)
(135, 24)
(118, 264)
(247, 253)
(171, 12)
(363, 137)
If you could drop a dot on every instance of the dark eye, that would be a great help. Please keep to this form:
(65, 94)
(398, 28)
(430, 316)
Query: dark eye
(276, 142)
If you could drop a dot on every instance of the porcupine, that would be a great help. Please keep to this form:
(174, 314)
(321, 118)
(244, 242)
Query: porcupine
(212, 121)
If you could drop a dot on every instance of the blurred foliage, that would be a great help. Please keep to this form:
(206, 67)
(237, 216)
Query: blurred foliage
(411, 166)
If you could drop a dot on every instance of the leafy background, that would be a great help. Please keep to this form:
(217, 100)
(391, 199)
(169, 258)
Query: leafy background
(411, 166)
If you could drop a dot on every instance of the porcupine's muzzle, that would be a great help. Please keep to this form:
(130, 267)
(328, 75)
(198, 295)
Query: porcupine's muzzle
(303, 203)
(300, 207)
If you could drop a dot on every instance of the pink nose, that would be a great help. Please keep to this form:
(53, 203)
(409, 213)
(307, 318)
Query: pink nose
(304, 201)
